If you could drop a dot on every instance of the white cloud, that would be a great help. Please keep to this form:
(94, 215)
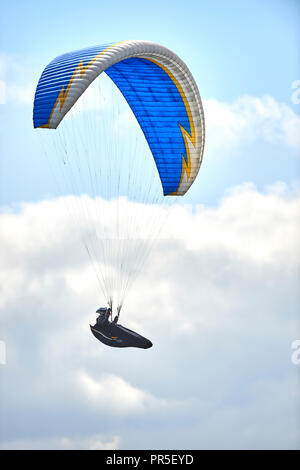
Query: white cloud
(20, 93)
(6, 63)
(249, 118)
(2, 92)
(219, 300)
(113, 393)
(98, 97)
(17, 76)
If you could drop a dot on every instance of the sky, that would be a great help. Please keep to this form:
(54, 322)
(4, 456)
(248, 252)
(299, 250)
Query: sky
(218, 296)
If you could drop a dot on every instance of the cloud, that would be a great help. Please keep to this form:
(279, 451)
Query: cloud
(6, 63)
(113, 392)
(96, 442)
(219, 299)
(249, 118)
(2, 92)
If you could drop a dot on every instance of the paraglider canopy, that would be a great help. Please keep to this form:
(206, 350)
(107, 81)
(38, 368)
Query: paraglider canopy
(158, 87)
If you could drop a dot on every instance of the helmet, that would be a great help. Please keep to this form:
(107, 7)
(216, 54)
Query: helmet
(101, 310)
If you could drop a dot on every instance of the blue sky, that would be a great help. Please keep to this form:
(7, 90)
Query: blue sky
(243, 48)
(231, 264)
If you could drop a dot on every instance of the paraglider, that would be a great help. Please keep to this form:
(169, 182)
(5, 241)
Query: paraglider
(104, 314)
(164, 98)
(117, 336)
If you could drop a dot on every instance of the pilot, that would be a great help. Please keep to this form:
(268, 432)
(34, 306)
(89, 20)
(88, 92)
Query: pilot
(104, 314)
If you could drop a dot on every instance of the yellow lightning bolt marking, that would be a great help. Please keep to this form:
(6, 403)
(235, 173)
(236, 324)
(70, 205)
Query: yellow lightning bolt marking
(80, 67)
(186, 166)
